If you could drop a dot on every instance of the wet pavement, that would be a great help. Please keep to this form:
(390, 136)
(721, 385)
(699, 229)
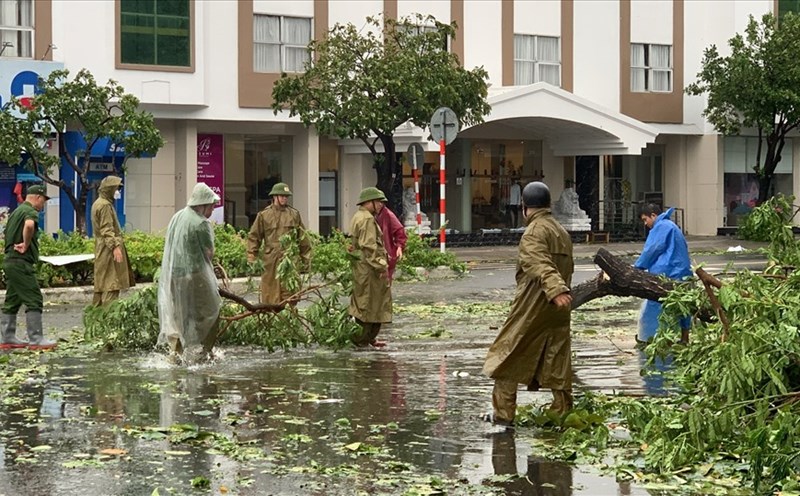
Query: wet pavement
(402, 420)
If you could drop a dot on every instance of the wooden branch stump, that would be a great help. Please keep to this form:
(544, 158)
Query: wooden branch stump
(619, 278)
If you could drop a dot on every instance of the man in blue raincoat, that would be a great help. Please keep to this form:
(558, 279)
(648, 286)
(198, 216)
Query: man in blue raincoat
(665, 253)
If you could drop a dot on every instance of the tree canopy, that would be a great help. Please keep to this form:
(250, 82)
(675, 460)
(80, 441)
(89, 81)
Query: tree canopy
(363, 84)
(756, 86)
(80, 104)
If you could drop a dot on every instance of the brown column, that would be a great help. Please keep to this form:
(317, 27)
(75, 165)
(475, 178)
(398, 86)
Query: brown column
(507, 37)
(42, 29)
(390, 8)
(457, 16)
(567, 44)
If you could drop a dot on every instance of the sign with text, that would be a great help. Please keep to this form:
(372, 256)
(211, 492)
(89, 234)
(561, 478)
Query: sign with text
(19, 79)
(211, 169)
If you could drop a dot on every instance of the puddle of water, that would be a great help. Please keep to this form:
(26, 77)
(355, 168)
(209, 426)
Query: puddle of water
(412, 411)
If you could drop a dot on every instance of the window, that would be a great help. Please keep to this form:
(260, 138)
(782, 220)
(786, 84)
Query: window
(420, 29)
(785, 6)
(156, 32)
(16, 28)
(536, 58)
(279, 43)
(651, 68)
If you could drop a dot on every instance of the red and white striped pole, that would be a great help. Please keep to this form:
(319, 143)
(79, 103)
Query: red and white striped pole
(442, 176)
(416, 192)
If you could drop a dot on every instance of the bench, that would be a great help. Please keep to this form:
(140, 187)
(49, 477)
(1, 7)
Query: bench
(597, 237)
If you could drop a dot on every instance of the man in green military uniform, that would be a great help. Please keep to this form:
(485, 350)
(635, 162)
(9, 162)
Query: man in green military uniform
(21, 254)
(371, 300)
(112, 271)
(270, 224)
(533, 346)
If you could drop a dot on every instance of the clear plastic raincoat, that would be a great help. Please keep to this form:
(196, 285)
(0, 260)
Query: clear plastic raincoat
(188, 298)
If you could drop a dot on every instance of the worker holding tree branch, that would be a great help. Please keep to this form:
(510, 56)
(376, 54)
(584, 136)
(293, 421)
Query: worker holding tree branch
(271, 223)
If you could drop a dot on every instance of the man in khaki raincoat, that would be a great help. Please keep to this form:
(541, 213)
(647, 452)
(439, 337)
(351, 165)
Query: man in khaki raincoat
(270, 224)
(533, 346)
(371, 300)
(112, 271)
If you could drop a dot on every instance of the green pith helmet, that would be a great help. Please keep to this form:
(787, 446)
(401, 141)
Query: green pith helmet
(280, 189)
(371, 193)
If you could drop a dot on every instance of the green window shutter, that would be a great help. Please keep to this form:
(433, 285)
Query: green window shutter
(155, 32)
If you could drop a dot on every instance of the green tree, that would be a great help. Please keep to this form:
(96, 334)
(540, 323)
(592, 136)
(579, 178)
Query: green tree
(363, 84)
(756, 86)
(80, 104)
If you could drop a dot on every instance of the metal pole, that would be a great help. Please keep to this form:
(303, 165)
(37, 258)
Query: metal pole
(416, 192)
(442, 221)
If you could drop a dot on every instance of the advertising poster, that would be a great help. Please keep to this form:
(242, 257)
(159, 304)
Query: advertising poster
(210, 169)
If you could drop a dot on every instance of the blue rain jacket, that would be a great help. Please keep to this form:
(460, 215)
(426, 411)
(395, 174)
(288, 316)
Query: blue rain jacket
(665, 253)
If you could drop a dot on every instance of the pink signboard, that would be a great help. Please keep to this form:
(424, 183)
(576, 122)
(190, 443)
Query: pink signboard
(211, 169)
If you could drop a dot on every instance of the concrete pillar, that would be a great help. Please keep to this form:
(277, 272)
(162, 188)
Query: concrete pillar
(356, 173)
(164, 203)
(305, 177)
(235, 187)
(465, 189)
(704, 161)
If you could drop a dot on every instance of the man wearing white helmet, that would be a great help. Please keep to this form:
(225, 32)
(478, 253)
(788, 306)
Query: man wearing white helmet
(188, 296)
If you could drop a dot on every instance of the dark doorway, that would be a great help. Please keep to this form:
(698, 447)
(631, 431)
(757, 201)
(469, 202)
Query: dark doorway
(587, 181)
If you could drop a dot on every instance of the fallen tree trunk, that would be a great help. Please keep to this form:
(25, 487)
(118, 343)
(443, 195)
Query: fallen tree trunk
(619, 278)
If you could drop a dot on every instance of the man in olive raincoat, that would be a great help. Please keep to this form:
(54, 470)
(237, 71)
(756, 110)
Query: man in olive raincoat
(371, 300)
(533, 346)
(270, 224)
(112, 271)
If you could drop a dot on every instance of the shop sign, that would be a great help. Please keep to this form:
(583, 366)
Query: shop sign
(211, 169)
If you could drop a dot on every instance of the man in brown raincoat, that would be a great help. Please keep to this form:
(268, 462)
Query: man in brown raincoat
(112, 271)
(371, 300)
(533, 346)
(270, 224)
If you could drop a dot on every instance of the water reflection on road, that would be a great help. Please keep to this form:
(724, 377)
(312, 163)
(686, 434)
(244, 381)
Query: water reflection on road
(303, 422)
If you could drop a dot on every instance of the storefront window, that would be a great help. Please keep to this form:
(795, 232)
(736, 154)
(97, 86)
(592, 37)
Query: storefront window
(496, 166)
(741, 183)
(266, 158)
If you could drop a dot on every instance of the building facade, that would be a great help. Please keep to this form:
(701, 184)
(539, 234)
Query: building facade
(584, 94)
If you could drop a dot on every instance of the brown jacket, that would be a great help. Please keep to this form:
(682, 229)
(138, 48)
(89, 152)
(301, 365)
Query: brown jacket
(534, 342)
(270, 224)
(108, 274)
(371, 300)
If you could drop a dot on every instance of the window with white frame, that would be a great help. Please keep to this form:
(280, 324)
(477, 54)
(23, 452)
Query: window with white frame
(425, 29)
(16, 28)
(279, 43)
(651, 67)
(537, 58)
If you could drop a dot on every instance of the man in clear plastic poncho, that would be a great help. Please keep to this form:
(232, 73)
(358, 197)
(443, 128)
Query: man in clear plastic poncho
(188, 296)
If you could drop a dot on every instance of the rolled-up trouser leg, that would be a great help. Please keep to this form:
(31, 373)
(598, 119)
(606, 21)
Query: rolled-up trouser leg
(504, 400)
(361, 338)
(562, 400)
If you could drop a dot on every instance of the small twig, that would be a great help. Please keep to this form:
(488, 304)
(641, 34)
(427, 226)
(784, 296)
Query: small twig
(709, 281)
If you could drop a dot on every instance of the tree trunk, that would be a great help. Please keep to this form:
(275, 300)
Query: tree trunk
(619, 279)
(390, 174)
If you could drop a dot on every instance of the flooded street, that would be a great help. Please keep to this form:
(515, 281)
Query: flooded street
(402, 420)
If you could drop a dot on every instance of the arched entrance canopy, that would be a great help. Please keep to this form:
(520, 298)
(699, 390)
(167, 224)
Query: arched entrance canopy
(569, 125)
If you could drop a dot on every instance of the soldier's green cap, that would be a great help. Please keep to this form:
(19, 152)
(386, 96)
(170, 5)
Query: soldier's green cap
(371, 193)
(38, 189)
(280, 189)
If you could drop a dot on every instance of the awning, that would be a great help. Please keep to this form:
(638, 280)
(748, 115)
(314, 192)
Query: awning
(570, 125)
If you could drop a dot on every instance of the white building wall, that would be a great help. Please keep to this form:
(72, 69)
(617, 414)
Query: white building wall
(542, 17)
(353, 11)
(596, 52)
(651, 21)
(440, 9)
(482, 43)
(294, 8)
